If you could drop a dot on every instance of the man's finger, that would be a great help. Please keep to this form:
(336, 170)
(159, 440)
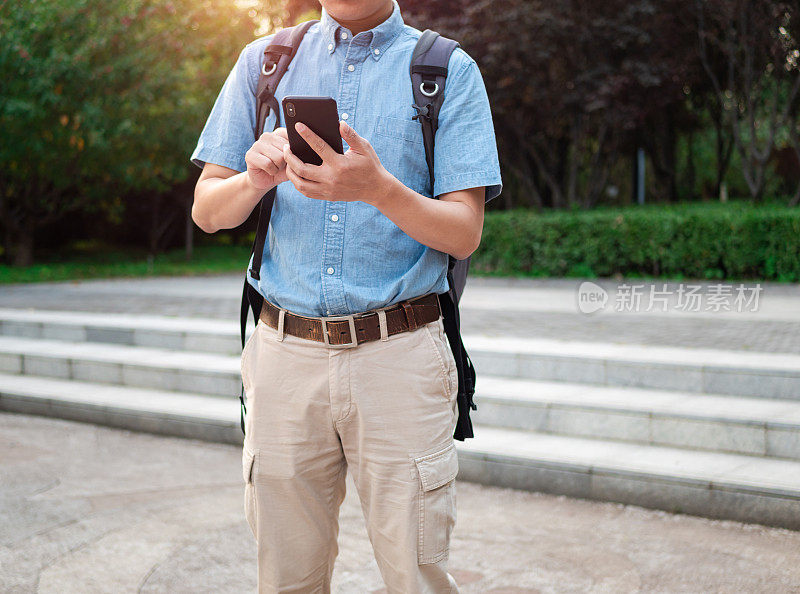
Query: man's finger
(301, 168)
(297, 181)
(352, 137)
(260, 161)
(276, 137)
(274, 152)
(306, 187)
(322, 148)
(268, 145)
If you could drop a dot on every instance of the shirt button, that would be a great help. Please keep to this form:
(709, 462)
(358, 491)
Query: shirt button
(330, 270)
(330, 46)
(344, 116)
(377, 51)
(350, 67)
(344, 35)
(334, 218)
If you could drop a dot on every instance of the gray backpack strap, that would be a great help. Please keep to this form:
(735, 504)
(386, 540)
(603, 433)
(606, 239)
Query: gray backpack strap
(277, 56)
(428, 74)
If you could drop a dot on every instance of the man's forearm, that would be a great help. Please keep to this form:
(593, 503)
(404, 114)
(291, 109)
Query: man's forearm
(224, 203)
(447, 226)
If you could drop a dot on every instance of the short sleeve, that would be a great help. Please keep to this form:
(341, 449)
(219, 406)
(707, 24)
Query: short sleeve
(229, 131)
(465, 153)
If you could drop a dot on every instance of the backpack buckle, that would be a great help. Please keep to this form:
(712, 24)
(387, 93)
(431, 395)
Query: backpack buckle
(422, 111)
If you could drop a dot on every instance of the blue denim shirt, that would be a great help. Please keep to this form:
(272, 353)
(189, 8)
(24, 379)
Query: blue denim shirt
(326, 258)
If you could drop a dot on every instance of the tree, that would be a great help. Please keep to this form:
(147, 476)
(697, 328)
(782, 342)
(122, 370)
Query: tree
(102, 99)
(749, 50)
(574, 84)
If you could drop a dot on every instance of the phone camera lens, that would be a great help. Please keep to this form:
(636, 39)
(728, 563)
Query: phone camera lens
(290, 109)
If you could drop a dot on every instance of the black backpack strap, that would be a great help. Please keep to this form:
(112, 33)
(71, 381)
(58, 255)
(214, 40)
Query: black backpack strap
(277, 56)
(253, 299)
(466, 371)
(428, 74)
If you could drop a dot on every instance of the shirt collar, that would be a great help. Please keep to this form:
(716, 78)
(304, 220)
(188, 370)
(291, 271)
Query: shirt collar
(381, 36)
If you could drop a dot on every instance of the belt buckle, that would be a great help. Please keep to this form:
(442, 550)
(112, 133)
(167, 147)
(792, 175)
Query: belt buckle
(348, 345)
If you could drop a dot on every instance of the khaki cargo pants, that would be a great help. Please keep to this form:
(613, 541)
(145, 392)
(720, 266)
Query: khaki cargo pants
(387, 410)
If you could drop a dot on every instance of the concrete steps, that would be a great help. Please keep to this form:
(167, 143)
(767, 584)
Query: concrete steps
(144, 367)
(682, 419)
(758, 426)
(712, 484)
(204, 335)
(155, 411)
(759, 375)
(709, 432)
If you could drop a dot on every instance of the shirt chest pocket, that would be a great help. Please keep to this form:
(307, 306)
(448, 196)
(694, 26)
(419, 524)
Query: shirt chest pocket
(401, 149)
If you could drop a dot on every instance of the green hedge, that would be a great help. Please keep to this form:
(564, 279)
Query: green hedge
(700, 241)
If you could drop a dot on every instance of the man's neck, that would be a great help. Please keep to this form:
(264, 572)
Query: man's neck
(368, 22)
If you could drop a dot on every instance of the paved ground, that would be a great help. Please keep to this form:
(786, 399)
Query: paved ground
(496, 306)
(88, 509)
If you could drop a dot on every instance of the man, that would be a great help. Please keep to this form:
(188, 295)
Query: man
(359, 234)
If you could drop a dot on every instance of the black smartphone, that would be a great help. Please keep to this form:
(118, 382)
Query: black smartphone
(318, 113)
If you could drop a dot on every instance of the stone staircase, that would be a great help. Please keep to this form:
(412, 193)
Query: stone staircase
(708, 432)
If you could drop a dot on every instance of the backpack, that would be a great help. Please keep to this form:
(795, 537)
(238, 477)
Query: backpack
(428, 73)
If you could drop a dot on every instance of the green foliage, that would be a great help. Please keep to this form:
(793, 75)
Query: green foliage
(101, 98)
(687, 241)
(110, 90)
(700, 241)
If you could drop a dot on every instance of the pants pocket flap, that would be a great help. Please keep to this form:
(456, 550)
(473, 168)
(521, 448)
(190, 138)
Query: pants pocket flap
(437, 468)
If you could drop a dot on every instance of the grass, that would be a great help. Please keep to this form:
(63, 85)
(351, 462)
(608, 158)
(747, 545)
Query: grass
(209, 259)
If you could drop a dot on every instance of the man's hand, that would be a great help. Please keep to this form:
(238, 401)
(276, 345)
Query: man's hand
(356, 175)
(266, 166)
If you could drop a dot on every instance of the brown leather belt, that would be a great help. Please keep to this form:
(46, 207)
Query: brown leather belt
(338, 331)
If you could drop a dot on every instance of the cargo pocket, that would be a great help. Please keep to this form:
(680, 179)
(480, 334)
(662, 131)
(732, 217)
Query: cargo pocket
(437, 504)
(248, 464)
